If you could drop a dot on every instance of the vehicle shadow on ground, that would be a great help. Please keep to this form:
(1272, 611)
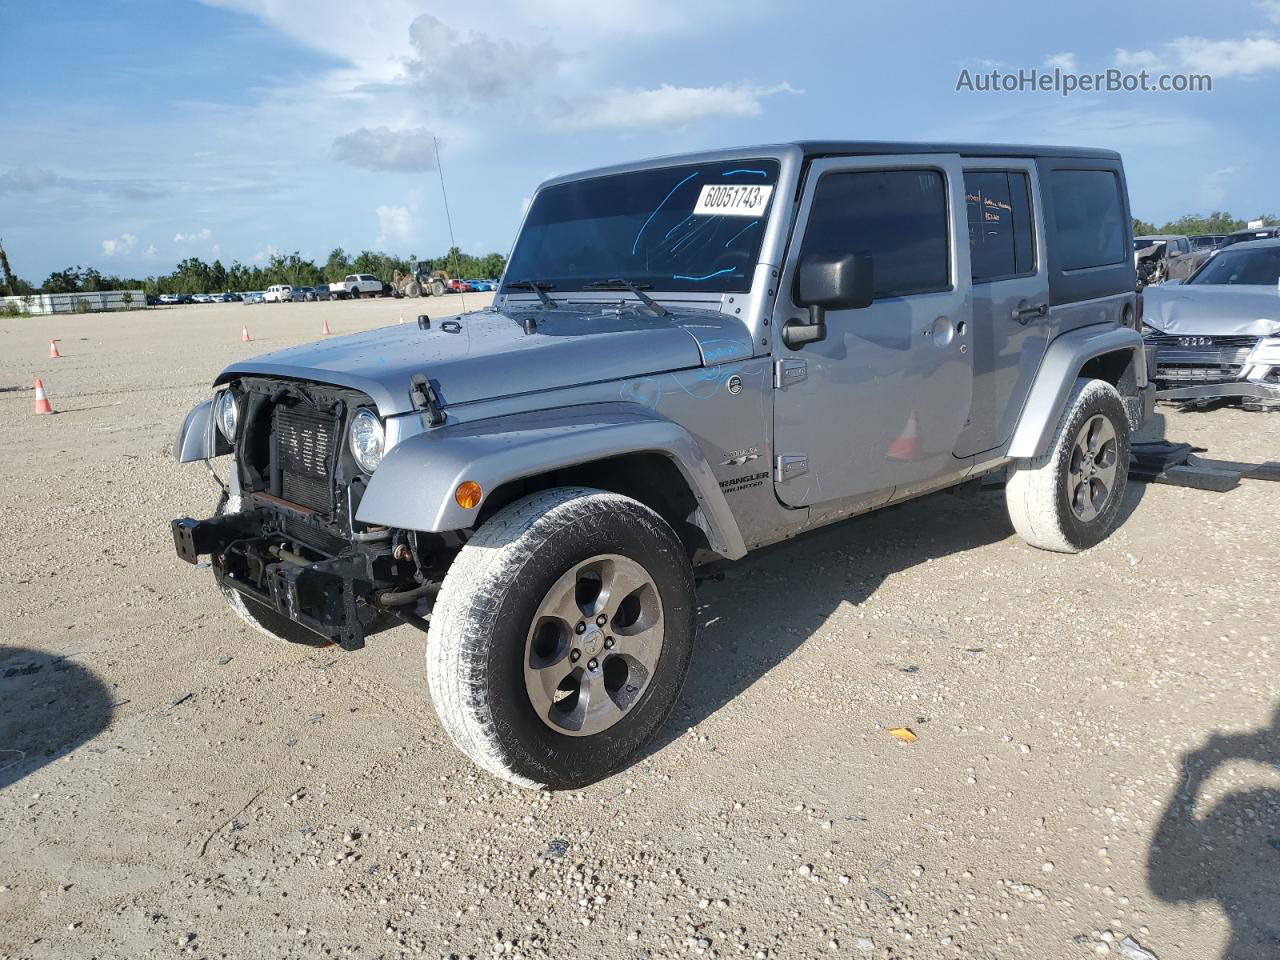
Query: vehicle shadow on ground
(775, 600)
(49, 705)
(1229, 852)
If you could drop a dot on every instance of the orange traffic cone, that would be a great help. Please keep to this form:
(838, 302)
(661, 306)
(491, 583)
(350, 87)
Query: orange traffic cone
(907, 445)
(42, 401)
(53, 350)
(325, 332)
(244, 335)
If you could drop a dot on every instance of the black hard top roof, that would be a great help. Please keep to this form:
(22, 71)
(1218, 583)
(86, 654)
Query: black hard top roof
(841, 148)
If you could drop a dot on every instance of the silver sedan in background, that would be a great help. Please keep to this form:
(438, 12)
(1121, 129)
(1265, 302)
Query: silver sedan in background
(1217, 335)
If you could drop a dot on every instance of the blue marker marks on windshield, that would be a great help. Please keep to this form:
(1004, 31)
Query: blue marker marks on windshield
(753, 223)
(718, 273)
(758, 173)
(659, 207)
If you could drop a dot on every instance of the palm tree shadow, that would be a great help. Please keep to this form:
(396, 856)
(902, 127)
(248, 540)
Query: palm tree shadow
(49, 705)
(1229, 853)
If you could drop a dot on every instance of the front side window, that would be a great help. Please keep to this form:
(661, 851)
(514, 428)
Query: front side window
(1089, 215)
(694, 227)
(899, 217)
(1000, 231)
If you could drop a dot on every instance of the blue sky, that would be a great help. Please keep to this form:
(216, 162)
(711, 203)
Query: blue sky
(139, 132)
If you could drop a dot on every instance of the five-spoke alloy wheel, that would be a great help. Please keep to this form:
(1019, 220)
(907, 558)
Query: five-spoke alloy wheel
(1070, 498)
(561, 636)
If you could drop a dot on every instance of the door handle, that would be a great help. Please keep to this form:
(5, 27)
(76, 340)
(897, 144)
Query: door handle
(1025, 315)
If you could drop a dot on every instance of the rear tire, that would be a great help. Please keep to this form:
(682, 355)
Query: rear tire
(354, 294)
(525, 688)
(1068, 500)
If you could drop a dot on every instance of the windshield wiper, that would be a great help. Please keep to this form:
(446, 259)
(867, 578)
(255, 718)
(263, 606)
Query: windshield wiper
(540, 287)
(635, 289)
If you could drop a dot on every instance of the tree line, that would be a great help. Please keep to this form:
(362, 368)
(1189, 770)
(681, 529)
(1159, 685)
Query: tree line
(193, 275)
(1194, 225)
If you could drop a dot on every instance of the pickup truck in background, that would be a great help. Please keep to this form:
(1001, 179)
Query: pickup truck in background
(356, 285)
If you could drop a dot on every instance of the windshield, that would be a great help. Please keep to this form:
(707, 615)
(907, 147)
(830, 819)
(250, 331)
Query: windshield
(695, 227)
(1141, 243)
(1244, 264)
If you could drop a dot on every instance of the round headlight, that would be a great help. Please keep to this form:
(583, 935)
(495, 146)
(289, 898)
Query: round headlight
(226, 410)
(366, 440)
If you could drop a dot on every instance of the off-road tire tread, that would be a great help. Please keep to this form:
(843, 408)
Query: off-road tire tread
(472, 593)
(1033, 491)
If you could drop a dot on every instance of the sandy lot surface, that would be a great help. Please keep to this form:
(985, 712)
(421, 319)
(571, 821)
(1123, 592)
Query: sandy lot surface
(1098, 754)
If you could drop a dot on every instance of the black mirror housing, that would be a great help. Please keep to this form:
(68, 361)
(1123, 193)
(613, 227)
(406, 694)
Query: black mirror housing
(835, 281)
(829, 281)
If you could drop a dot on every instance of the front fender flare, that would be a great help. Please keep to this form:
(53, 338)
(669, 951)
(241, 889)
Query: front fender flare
(413, 487)
(1062, 363)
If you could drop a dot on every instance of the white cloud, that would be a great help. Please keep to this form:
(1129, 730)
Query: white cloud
(1135, 60)
(473, 68)
(1226, 58)
(151, 251)
(1065, 62)
(382, 148)
(201, 235)
(395, 224)
(35, 180)
(1269, 7)
(122, 245)
(1243, 57)
(667, 106)
(267, 251)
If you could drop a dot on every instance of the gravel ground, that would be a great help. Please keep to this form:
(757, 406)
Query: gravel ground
(172, 784)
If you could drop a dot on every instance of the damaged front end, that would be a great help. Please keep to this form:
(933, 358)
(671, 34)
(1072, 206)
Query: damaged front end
(285, 537)
(1208, 367)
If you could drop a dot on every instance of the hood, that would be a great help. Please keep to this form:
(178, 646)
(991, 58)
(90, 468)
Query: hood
(1212, 310)
(488, 354)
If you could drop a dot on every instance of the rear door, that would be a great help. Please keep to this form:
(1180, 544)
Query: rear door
(1011, 323)
(880, 403)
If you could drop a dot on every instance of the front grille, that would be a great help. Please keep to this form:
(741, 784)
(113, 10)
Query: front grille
(305, 443)
(1200, 359)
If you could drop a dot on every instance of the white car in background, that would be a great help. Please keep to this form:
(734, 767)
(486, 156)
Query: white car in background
(278, 293)
(356, 285)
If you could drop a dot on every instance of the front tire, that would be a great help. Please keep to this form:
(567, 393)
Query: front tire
(561, 637)
(1069, 499)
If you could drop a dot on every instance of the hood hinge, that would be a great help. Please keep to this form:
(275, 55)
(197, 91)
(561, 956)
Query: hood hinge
(424, 398)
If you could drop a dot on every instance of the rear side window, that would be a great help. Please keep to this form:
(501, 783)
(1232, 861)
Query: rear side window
(1000, 230)
(899, 217)
(1089, 214)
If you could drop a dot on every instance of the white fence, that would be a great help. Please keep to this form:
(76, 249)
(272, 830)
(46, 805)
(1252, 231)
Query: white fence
(41, 303)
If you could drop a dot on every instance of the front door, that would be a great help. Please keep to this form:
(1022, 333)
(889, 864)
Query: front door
(1010, 296)
(880, 403)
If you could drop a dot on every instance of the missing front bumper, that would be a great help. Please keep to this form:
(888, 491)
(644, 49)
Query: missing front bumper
(331, 597)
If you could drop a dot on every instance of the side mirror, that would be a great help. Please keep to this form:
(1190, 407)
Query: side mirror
(829, 281)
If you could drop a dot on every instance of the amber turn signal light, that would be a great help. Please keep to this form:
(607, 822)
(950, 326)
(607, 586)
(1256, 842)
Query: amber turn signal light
(468, 494)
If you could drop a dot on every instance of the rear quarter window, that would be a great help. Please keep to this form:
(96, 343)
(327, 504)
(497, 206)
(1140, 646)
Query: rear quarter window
(1089, 209)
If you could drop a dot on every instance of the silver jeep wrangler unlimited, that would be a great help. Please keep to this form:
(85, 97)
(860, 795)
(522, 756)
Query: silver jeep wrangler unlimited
(688, 358)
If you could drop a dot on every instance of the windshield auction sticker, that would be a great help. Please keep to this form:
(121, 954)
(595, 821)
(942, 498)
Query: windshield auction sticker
(733, 200)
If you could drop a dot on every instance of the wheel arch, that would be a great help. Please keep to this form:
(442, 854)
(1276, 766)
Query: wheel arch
(620, 447)
(1104, 352)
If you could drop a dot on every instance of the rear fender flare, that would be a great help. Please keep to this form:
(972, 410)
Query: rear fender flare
(413, 488)
(1063, 361)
